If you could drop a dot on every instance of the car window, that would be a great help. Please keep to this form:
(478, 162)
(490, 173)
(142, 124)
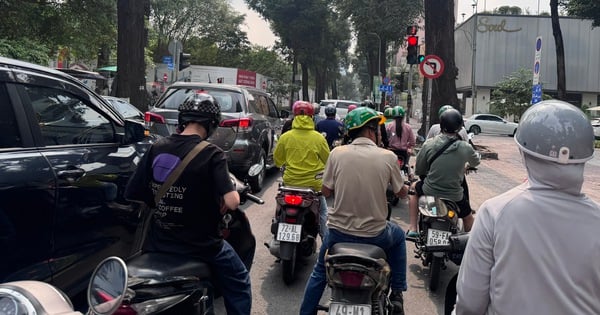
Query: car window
(272, 108)
(125, 109)
(342, 104)
(9, 131)
(494, 118)
(65, 119)
(325, 103)
(480, 118)
(259, 104)
(229, 101)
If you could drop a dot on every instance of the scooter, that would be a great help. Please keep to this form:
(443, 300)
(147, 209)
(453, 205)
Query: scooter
(105, 292)
(162, 283)
(294, 227)
(437, 222)
(407, 173)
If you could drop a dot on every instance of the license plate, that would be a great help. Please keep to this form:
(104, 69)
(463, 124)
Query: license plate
(349, 309)
(437, 237)
(289, 232)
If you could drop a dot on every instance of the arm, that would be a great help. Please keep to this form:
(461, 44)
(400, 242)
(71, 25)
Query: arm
(326, 191)
(279, 152)
(328, 185)
(411, 139)
(421, 166)
(473, 283)
(222, 181)
(138, 187)
(474, 157)
(323, 150)
(397, 181)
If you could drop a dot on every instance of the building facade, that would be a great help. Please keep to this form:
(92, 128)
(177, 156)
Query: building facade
(490, 47)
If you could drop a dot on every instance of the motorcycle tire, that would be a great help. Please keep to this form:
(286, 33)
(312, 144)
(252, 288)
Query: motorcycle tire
(289, 269)
(434, 271)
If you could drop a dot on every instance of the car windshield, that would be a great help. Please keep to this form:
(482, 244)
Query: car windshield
(229, 101)
(343, 104)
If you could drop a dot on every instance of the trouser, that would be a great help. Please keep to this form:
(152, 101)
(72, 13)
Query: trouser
(233, 280)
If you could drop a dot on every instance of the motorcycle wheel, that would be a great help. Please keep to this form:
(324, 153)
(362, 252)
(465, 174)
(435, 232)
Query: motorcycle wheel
(434, 270)
(289, 269)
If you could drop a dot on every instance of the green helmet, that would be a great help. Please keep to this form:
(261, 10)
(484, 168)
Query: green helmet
(360, 116)
(387, 113)
(398, 112)
(443, 109)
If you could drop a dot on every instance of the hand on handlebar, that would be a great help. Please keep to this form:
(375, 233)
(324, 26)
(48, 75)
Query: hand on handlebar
(470, 169)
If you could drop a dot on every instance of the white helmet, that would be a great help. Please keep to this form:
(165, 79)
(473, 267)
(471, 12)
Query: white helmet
(556, 131)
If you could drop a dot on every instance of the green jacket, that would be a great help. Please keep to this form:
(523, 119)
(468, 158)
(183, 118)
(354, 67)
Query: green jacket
(445, 175)
(304, 152)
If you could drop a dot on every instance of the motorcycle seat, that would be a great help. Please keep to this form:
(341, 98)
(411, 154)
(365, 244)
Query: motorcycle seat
(357, 250)
(161, 265)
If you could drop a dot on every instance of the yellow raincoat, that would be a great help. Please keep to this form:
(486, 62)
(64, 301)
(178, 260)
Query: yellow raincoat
(304, 153)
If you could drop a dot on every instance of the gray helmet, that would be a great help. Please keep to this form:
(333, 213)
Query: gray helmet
(330, 111)
(556, 131)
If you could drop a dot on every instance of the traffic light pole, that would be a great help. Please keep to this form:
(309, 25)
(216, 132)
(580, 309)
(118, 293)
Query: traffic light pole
(409, 97)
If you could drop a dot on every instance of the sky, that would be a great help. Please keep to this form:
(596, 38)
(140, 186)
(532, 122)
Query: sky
(259, 32)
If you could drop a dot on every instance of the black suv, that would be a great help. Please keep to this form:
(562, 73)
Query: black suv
(250, 124)
(65, 158)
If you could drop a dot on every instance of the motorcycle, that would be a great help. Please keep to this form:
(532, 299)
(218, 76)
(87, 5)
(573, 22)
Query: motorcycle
(294, 227)
(105, 292)
(437, 222)
(407, 173)
(161, 283)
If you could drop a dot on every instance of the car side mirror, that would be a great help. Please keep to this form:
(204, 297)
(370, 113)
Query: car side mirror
(284, 113)
(134, 132)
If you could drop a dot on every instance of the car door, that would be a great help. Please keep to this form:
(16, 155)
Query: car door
(78, 138)
(28, 194)
(497, 125)
(276, 122)
(258, 105)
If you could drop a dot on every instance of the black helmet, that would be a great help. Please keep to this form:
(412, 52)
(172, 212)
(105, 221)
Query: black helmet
(451, 121)
(201, 108)
(368, 103)
(330, 111)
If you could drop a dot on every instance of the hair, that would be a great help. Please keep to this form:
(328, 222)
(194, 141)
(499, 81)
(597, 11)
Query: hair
(399, 128)
(358, 132)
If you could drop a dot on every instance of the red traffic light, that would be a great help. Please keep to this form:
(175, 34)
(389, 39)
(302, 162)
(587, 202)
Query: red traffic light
(412, 41)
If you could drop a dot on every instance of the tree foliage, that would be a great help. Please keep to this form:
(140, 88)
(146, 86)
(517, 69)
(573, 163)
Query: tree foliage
(26, 50)
(587, 9)
(512, 95)
(508, 10)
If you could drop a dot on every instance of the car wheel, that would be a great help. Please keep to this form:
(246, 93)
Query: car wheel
(256, 182)
(475, 130)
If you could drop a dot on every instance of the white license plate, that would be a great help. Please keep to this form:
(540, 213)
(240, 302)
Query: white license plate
(437, 237)
(349, 309)
(289, 232)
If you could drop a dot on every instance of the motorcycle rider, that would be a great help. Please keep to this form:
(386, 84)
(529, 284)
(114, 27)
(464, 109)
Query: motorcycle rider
(316, 117)
(436, 130)
(521, 258)
(401, 139)
(384, 142)
(186, 223)
(358, 175)
(443, 177)
(303, 152)
(332, 128)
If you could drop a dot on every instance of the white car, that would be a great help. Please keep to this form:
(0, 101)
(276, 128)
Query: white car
(596, 125)
(340, 105)
(488, 123)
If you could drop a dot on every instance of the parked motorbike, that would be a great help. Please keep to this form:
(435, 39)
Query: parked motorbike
(294, 227)
(437, 221)
(161, 283)
(105, 293)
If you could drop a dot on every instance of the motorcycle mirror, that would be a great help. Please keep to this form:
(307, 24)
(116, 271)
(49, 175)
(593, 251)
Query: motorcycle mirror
(471, 135)
(255, 170)
(107, 286)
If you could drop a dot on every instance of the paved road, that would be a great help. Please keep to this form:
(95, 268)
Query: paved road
(271, 296)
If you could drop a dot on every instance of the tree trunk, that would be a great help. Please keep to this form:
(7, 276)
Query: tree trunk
(304, 67)
(334, 90)
(132, 39)
(439, 27)
(294, 71)
(561, 84)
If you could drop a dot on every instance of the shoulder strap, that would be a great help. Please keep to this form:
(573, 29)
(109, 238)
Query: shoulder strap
(438, 153)
(178, 170)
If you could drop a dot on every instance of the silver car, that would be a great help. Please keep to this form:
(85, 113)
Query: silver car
(340, 105)
(488, 123)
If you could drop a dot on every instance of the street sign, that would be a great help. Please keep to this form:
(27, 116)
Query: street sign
(537, 60)
(175, 47)
(386, 88)
(432, 67)
(167, 59)
(170, 66)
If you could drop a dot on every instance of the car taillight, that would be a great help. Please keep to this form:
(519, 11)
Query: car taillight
(293, 200)
(153, 117)
(242, 123)
(351, 279)
(125, 309)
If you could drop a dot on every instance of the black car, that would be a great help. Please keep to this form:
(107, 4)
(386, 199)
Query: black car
(249, 129)
(65, 158)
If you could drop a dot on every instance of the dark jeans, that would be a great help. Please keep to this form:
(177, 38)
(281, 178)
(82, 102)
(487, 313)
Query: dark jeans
(391, 240)
(233, 280)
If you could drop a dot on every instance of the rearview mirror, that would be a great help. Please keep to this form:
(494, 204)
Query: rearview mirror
(107, 286)
(134, 132)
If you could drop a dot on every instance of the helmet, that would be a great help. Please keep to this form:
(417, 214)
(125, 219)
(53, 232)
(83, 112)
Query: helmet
(398, 112)
(360, 116)
(317, 108)
(368, 103)
(556, 131)
(351, 107)
(451, 121)
(444, 108)
(303, 108)
(387, 113)
(202, 108)
(330, 111)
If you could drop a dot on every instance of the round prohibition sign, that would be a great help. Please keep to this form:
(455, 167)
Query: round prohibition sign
(432, 67)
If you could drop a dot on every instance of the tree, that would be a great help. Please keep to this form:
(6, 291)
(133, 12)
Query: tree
(512, 96)
(439, 27)
(586, 9)
(561, 83)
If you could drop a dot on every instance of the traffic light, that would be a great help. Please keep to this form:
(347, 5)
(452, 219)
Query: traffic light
(412, 43)
(412, 30)
(184, 60)
(420, 58)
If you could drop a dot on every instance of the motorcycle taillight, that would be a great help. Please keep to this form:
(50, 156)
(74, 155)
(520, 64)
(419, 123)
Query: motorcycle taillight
(351, 279)
(125, 309)
(293, 200)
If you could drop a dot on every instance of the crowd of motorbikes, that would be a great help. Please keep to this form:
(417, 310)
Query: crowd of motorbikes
(358, 274)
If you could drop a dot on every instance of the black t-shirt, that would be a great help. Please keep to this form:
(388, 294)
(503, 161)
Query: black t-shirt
(187, 219)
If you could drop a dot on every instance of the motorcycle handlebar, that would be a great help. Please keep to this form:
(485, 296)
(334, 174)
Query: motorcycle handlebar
(254, 199)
